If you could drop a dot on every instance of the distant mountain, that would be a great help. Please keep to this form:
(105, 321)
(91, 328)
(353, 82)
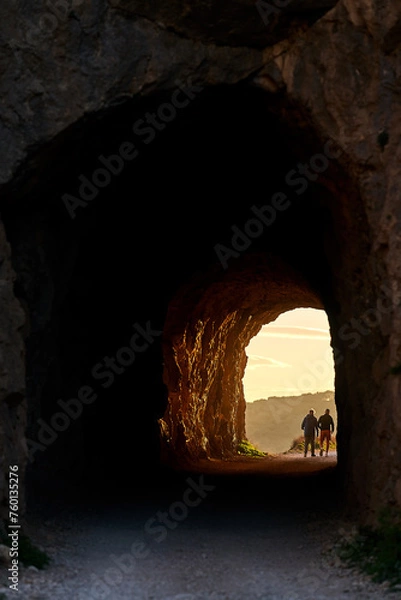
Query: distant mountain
(272, 424)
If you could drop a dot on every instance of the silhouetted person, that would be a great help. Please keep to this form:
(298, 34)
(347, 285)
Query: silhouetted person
(326, 426)
(309, 425)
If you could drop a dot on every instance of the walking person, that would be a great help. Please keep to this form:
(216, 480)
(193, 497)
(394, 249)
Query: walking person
(326, 426)
(310, 427)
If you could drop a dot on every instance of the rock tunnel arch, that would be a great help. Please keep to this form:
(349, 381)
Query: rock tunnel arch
(205, 359)
(312, 255)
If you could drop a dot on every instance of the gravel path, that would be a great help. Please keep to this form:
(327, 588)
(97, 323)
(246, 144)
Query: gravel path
(205, 538)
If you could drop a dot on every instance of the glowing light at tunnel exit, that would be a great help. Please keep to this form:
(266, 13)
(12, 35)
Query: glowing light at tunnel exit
(290, 356)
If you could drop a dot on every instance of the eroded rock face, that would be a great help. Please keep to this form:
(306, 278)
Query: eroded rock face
(346, 72)
(56, 68)
(240, 23)
(328, 76)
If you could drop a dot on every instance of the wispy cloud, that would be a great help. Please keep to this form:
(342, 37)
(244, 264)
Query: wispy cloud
(298, 333)
(255, 361)
(258, 392)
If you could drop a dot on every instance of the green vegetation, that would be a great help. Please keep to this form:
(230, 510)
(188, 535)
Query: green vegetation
(377, 551)
(298, 445)
(28, 553)
(396, 370)
(271, 424)
(31, 555)
(245, 447)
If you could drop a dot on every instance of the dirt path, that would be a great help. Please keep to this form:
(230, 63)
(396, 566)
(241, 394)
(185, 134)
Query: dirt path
(210, 536)
(280, 464)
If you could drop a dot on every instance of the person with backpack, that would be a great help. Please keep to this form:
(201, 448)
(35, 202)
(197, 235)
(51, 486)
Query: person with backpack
(309, 425)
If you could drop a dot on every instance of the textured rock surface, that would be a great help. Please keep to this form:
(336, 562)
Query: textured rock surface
(70, 59)
(345, 72)
(236, 24)
(333, 76)
(56, 70)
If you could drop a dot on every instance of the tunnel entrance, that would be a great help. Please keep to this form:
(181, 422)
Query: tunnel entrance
(289, 370)
(140, 304)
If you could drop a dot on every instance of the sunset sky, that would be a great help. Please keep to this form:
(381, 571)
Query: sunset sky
(290, 356)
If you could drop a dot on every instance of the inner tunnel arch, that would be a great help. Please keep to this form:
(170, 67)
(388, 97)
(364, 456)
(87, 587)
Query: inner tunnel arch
(208, 327)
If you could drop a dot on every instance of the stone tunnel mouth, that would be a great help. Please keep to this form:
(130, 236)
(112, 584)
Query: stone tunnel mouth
(74, 278)
(205, 354)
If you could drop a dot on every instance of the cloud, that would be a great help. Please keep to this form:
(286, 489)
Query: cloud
(255, 361)
(295, 333)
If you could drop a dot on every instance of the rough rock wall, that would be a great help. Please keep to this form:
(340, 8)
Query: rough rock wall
(345, 72)
(58, 68)
(71, 58)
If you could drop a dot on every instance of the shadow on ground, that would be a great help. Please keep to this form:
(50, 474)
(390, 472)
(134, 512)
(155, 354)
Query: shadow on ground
(282, 483)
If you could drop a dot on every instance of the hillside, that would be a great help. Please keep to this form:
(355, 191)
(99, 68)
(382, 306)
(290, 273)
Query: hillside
(272, 424)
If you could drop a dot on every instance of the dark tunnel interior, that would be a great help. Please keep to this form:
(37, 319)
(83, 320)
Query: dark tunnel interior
(89, 283)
